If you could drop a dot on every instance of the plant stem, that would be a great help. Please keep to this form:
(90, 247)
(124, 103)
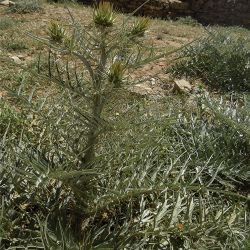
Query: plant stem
(92, 138)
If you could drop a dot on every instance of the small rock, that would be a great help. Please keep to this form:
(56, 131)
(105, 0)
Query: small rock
(179, 5)
(161, 64)
(7, 3)
(22, 57)
(16, 59)
(182, 86)
(153, 81)
(2, 94)
(144, 89)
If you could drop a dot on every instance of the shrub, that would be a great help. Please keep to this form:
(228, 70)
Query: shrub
(10, 120)
(157, 172)
(188, 21)
(26, 6)
(220, 60)
(6, 23)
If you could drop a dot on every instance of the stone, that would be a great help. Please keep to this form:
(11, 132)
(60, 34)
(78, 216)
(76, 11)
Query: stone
(16, 59)
(179, 5)
(147, 89)
(22, 57)
(7, 3)
(182, 86)
(2, 94)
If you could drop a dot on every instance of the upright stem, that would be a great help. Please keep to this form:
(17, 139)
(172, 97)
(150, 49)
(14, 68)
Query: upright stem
(92, 138)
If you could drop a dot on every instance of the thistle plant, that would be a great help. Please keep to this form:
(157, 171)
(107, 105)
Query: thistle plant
(116, 73)
(140, 26)
(84, 70)
(100, 60)
(104, 14)
(56, 32)
(76, 177)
